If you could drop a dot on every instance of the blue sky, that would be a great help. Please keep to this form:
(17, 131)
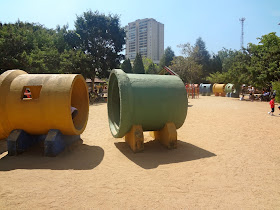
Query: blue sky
(216, 21)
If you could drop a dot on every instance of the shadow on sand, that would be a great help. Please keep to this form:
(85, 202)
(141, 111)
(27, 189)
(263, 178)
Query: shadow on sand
(155, 154)
(78, 156)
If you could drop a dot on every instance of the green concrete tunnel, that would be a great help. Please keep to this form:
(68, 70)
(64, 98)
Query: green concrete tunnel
(146, 100)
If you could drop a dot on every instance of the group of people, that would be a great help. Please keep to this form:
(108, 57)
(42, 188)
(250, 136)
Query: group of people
(99, 93)
(250, 90)
(265, 95)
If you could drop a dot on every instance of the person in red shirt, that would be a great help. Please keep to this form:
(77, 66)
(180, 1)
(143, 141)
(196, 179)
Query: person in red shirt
(271, 106)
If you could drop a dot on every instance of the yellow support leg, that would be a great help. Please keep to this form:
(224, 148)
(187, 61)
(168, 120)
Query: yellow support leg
(135, 138)
(167, 135)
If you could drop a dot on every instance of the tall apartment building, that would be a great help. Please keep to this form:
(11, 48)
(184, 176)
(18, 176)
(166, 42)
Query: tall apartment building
(145, 36)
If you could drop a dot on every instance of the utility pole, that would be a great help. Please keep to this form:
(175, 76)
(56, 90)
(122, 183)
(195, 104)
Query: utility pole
(242, 31)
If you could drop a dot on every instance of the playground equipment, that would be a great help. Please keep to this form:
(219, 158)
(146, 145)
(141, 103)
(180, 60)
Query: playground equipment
(138, 103)
(167, 70)
(192, 90)
(231, 91)
(229, 88)
(219, 89)
(97, 90)
(39, 103)
(205, 89)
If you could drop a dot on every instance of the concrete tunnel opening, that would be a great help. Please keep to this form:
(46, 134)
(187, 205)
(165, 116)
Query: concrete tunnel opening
(79, 95)
(114, 107)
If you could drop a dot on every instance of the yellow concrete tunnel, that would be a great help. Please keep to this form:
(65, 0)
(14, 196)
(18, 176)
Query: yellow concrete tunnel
(219, 89)
(37, 103)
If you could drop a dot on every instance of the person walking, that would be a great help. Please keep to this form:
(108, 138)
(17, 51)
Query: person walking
(272, 104)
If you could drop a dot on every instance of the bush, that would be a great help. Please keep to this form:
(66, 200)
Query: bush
(276, 86)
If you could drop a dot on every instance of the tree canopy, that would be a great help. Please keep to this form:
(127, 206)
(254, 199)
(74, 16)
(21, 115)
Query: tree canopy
(257, 65)
(152, 69)
(126, 66)
(138, 67)
(147, 62)
(92, 48)
(186, 66)
(31, 47)
(265, 59)
(188, 70)
(95, 46)
(102, 38)
(201, 56)
(166, 58)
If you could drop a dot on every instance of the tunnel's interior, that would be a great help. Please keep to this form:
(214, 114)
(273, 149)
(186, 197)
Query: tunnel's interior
(79, 100)
(114, 103)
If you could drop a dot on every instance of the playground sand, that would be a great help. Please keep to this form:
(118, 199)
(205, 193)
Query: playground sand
(228, 157)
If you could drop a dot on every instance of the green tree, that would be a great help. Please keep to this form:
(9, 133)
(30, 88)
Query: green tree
(162, 62)
(188, 70)
(258, 65)
(201, 56)
(265, 60)
(167, 57)
(102, 38)
(30, 47)
(152, 69)
(75, 62)
(226, 57)
(138, 67)
(218, 77)
(237, 72)
(126, 66)
(215, 64)
(146, 62)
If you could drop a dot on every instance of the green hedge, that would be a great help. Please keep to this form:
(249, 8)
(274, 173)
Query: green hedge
(276, 86)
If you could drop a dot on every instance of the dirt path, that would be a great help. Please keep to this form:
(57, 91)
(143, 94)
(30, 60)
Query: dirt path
(228, 157)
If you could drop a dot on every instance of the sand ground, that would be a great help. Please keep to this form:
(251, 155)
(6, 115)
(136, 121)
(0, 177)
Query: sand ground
(228, 157)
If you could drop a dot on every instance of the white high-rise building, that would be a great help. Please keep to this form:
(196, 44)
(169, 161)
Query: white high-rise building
(146, 37)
